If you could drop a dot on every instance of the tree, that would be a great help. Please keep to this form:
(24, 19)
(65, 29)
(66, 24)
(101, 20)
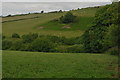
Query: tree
(104, 20)
(67, 18)
(60, 11)
(112, 35)
(42, 11)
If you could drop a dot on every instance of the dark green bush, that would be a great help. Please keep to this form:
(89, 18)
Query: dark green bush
(18, 46)
(15, 35)
(29, 37)
(114, 52)
(42, 45)
(3, 37)
(67, 18)
(6, 44)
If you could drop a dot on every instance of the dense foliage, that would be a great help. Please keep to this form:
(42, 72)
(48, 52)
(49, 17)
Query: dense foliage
(104, 32)
(34, 42)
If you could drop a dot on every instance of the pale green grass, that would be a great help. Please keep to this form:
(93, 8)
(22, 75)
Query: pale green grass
(32, 25)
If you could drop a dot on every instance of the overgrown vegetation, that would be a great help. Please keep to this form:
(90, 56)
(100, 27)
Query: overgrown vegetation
(101, 35)
(41, 43)
(104, 32)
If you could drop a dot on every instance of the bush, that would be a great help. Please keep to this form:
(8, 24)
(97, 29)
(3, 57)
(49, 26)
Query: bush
(6, 44)
(15, 35)
(3, 37)
(114, 52)
(68, 18)
(18, 46)
(42, 45)
(56, 39)
(29, 37)
(61, 49)
(76, 49)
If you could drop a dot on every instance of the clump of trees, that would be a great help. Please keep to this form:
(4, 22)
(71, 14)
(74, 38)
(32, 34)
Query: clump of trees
(104, 32)
(68, 18)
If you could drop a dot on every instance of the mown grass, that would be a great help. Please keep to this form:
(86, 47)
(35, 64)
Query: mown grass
(18, 64)
(30, 24)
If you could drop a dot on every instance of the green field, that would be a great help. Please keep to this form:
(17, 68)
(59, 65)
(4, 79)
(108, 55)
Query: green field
(21, 64)
(33, 22)
(17, 64)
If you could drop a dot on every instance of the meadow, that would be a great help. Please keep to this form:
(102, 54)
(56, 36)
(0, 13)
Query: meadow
(31, 23)
(58, 50)
(18, 64)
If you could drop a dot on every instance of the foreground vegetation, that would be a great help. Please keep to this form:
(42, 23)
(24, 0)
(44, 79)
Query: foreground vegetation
(17, 64)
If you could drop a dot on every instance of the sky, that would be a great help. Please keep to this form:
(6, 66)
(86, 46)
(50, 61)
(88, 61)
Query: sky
(32, 7)
(57, 0)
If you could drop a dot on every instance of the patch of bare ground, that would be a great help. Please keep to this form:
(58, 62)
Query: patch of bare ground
(67, 27)
(41, 27)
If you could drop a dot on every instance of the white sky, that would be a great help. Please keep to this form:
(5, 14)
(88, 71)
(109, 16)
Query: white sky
(56, 0)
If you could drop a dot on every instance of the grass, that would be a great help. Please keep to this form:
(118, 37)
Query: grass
(28, 23)
(81, 25)
(18, 64)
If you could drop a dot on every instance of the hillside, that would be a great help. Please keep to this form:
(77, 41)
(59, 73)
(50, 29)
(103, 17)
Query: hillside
(41, 23)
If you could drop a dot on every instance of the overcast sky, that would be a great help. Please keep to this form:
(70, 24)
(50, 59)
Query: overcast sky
(16, 7)
(31, 7)
(56, 0)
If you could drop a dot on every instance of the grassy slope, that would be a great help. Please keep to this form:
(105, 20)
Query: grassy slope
(18, 64)
(32, 25)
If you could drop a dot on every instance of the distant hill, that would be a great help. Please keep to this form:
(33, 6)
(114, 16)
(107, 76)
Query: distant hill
(44, 24)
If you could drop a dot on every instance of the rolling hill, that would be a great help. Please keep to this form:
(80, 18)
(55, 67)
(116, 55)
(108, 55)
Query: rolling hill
(44, 24)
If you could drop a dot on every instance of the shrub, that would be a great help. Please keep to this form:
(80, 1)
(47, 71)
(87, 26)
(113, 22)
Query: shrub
(6, 44)
(67, 18)
(114, 52)
(29, 37)
(42, 45)
(76, 49)
(18, 46)
(3, 37)
(61, 49)
(15, 35)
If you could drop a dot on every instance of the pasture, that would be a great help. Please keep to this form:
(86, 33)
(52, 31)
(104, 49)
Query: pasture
(18, 64)
(31, 23)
